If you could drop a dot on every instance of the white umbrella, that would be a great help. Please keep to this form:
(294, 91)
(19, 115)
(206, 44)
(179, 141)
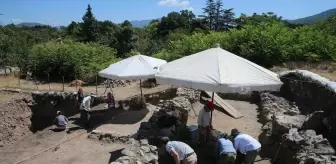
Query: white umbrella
(133, 68)
(218, 70)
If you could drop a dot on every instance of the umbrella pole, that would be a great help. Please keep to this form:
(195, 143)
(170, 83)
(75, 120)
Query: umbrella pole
(141, 88)
(212, 100)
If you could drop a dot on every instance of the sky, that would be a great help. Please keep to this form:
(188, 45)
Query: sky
(62, 12)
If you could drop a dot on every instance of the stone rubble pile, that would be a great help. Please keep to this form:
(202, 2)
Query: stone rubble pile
(149, 83)
(115, 83)
(168, 119)
(284, 123)
(137, 102)
(138, 152)
(191, 94)
(310, 148)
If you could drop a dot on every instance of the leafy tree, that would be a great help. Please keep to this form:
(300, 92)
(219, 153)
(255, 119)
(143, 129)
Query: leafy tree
(218, 14)
(210, 13)
(73, 29)
(89, 26)
(126, 39)
(228, 19)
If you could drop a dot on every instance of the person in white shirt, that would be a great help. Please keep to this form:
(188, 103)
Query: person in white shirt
(203, 121)
(180, 151)
(246, 146)
(85, 109)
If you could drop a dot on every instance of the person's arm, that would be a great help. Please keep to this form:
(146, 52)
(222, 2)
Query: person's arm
(54, 122)
(200, 118)
(66, 119)
(175, 155)
(236, 144)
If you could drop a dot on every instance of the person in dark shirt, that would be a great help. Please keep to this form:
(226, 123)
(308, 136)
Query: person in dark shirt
(60, 121)
(79, 97)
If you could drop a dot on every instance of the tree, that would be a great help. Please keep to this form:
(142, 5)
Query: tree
(73, 29)
(89, 27)
(210, 13)
(218, 14)
(126, 40)
(228, 19)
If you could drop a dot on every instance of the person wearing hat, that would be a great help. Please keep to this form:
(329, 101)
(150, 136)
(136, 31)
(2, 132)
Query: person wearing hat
(60, 121)
(85, 109)
(246, 146)
(181, 152)
(225, 150)
(203, 121)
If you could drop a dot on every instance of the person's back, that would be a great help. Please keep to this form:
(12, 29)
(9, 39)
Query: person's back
(225, 146)
(86, 103)
(61, 120)
(181, 148)
(245, 143)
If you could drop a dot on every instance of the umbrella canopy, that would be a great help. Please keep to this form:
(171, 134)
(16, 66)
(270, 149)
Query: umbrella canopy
(217, 70)
(133, 68)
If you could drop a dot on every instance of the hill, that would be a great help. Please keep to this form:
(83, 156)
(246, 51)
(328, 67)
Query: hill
(29, 24)
(314, 18)
(140, 23)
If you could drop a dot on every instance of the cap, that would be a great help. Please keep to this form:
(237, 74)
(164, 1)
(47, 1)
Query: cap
(58, 112)
(210, 105)
(234, 132)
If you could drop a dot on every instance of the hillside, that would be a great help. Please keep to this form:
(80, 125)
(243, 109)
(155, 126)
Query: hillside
(140, 23)
(315, 18)
(29, 24)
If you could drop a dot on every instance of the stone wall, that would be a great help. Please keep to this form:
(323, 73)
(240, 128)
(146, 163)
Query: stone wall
(312, 92)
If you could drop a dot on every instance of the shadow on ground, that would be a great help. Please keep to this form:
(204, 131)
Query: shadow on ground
(115, 155)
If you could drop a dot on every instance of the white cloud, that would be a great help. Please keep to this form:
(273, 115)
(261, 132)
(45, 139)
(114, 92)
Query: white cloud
(174, 3)
(17, 20)
(189, 8)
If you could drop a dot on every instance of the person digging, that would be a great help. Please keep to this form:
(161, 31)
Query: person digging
(85, 109)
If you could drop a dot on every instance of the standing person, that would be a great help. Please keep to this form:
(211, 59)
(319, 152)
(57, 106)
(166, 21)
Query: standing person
(226, 151)
(85, 109)
(80, 96)
(203, 121)
(110, 100)
(60, 121)
(180, 151)
(246, 146)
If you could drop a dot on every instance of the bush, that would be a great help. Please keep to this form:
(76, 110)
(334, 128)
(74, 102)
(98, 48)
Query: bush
(71, 59)
(266, 44)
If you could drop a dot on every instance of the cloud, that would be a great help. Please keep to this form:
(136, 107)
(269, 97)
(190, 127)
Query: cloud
(16, 20)
(189, 8)
(174, 3)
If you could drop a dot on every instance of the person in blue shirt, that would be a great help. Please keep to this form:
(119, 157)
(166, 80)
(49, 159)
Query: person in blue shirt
(225, 150)
(60, 121)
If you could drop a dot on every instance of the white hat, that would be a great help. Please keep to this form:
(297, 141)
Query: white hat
(58, 112)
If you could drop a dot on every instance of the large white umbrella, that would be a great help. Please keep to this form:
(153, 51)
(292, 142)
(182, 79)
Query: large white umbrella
(218, 70)
(133, 68)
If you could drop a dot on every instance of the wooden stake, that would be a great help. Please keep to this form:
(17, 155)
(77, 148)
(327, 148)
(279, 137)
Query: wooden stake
(141, 88)
(76, 83)
(96, 83)
(49, 81)
(212, 100)
(19, 74)
(63, 83)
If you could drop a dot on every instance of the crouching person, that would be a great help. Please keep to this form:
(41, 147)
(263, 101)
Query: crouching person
(247, 147)
(60, 121)
(181, 152)
(226, 151)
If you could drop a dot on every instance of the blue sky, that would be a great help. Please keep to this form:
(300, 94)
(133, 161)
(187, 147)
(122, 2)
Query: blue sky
(62, 12)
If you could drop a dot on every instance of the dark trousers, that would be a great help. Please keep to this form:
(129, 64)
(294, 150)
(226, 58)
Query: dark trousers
(85, 117)
(227, 158)
(247, 158)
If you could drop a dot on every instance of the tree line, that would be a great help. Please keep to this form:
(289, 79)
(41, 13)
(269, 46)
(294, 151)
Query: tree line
(82, 48)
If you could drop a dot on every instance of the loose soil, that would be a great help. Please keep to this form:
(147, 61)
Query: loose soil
(84, 150)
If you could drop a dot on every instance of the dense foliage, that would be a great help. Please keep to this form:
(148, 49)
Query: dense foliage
(83, 48)
(70, 59)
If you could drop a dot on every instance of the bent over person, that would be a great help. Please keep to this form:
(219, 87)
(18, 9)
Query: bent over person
(60, 121)
(246, 146)
(181, 152)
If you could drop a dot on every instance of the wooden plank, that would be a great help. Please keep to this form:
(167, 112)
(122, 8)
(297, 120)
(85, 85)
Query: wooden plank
(225, 105)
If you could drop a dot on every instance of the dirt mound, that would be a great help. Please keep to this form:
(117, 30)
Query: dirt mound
(15, 117)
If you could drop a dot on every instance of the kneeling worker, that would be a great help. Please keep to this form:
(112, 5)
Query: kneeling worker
(60, 121)
(226, 151)
(180, 151)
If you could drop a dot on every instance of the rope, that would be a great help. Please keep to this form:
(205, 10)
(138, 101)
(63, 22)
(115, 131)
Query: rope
(49, 148)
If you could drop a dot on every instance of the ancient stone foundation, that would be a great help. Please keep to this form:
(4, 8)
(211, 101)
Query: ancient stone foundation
(297, 127)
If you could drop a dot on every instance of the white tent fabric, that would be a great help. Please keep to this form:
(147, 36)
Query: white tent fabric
(133, 68)
(217, 70)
